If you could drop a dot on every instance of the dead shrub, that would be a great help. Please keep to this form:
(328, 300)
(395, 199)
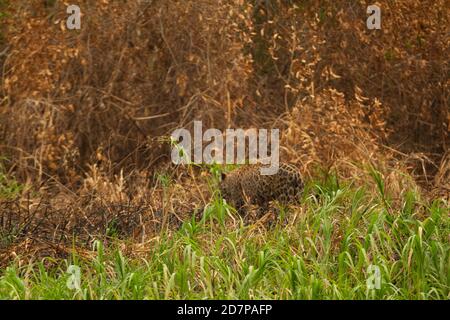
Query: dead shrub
(85, 115)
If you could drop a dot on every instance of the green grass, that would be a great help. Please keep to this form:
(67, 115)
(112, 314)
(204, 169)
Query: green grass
(339, 232)
(9, 187)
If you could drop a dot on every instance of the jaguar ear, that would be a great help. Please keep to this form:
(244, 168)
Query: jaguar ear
(223, 176)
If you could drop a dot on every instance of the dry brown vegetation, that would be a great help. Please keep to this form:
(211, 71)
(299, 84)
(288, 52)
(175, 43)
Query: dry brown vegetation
(85, 115)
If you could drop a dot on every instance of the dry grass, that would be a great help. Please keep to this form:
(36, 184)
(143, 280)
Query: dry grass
(85, 114)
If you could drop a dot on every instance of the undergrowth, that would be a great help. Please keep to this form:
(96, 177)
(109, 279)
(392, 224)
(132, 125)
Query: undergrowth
(325, 248)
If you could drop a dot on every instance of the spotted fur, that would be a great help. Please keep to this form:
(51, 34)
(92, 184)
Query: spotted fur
(246, 185)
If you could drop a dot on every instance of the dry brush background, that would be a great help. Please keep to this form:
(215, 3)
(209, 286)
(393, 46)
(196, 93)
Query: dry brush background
(85, 114)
